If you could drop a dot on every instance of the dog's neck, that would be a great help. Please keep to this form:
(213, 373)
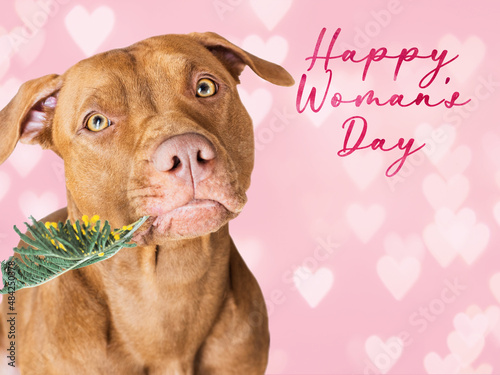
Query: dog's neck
(158, 285)
(159, 267)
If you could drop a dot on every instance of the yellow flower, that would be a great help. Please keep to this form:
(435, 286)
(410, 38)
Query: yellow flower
(49, 225)
(94, 219)
(85, 219)
(76, 231)
(101, 254)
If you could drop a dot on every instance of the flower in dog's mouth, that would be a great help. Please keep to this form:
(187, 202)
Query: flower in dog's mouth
(55, 248)
(88, 225)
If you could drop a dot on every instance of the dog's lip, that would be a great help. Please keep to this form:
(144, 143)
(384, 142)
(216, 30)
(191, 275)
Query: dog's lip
(193, 204)
(164, 219)
(155, 203)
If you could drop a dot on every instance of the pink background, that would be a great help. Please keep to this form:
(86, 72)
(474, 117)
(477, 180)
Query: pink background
(373, 257)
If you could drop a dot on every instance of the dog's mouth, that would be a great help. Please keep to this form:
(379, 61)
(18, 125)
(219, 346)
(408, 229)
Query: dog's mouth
(193, 219)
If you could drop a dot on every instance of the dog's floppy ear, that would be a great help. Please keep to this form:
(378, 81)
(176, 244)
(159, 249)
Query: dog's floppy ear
(235, 59)
(28, 115)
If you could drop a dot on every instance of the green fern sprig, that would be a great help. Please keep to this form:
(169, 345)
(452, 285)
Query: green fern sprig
(56, 248)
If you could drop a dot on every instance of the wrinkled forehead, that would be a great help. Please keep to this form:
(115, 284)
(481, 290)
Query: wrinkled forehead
(143, 69)
(168, 52)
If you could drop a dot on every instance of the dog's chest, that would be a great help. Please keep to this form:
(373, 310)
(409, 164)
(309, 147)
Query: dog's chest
(166, 310)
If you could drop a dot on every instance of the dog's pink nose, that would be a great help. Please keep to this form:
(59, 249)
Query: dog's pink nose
(188, 156)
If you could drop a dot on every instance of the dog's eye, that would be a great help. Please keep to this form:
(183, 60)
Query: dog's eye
(205, 88)
(97, 122)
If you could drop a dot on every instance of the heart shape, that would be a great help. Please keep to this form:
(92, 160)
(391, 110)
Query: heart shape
(483, 369)
(399, 248)
(25, 158)
(438, 141)
(492, 313)
(462, 232)
(275, 49)
(455, 162)
(441, 250)
(28, 52)
(313, 286)
(89, 30)
(38, 206)
(365, 222)
(434, 364)
(398, 277)
(270, 12)
(440, 193)
(25, 9)
(458, 346)
(258, 103)
(384, 355)
(471, 52)
(473, 329)
(363, 167)
(476, 243)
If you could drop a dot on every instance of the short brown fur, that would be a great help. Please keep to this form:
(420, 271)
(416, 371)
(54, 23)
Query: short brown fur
(179, 303)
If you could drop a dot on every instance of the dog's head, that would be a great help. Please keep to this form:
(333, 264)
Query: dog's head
(153, 129)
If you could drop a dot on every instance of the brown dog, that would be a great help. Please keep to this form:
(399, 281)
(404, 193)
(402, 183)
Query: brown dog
(153, 129)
